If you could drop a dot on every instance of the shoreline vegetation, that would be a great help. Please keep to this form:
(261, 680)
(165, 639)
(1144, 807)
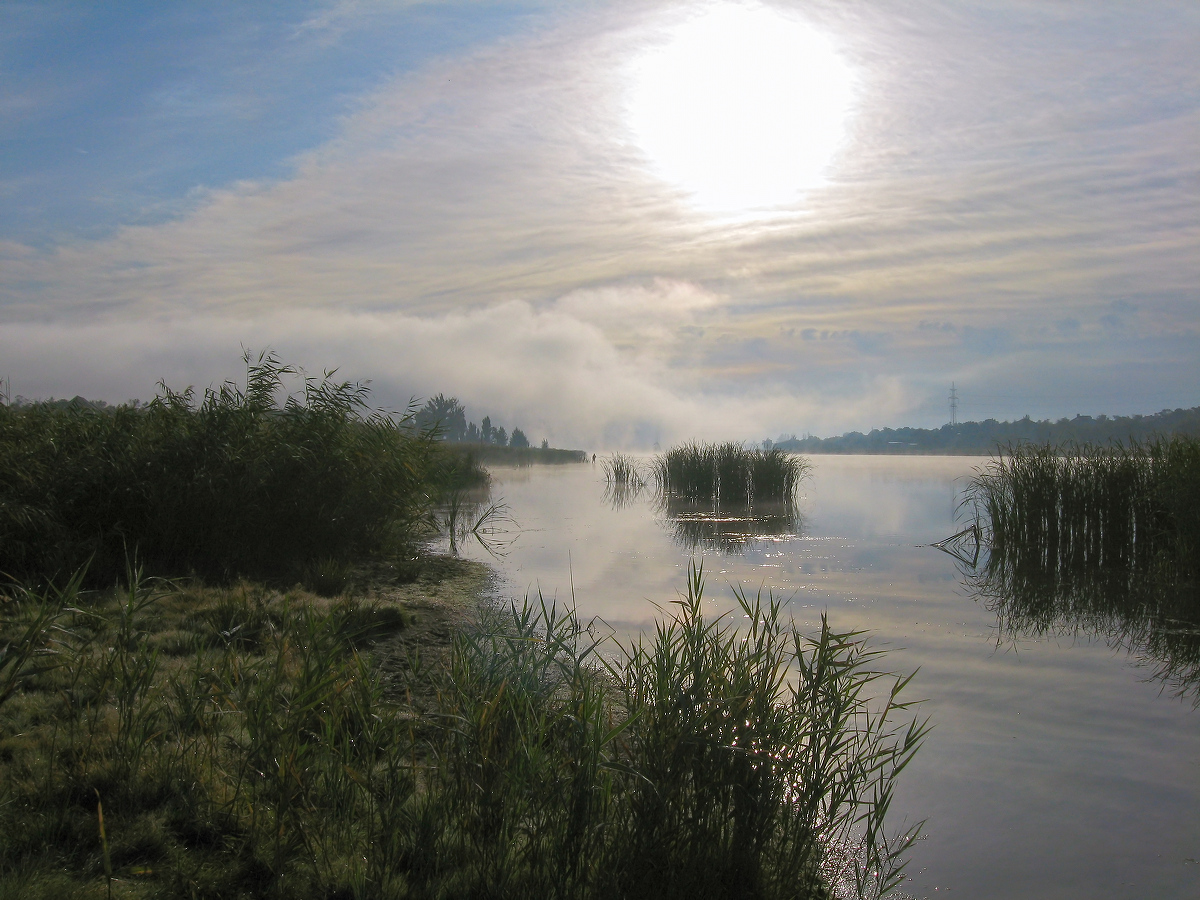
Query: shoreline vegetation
(228, 668)
(1132, 508)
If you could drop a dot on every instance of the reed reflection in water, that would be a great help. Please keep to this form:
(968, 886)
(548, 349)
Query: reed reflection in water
(727, 528)
(1153, 617)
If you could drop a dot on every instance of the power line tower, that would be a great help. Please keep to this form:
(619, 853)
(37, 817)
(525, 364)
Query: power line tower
(953, 404)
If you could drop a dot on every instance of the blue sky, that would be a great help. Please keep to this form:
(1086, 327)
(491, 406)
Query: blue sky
(456, 197)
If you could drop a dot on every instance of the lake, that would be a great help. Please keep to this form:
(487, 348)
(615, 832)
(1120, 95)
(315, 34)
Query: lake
(1058, 765)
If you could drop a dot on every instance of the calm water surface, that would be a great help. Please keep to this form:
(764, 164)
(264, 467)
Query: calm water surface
(1057, 766)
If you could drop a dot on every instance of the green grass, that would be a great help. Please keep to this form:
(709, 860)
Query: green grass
(1131, 507)
(248, 742)
(728, 473)
(235, 482)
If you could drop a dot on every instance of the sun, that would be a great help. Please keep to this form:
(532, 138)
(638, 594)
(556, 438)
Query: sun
(740, 106)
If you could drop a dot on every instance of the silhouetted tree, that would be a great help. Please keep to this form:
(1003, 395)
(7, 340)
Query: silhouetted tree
(446, 414)
(518, 439)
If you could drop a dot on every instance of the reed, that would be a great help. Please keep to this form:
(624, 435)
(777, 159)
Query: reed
(1131, 507)
(622, 470)
(235, 482)
(728, 473)
(1104, 540)
(276, 757)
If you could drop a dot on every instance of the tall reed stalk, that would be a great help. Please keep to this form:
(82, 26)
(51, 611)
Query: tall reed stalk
(622, 470)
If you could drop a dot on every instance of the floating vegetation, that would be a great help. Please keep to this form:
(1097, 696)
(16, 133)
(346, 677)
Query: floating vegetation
(728, 473)
(247, 742)
(1129, 508)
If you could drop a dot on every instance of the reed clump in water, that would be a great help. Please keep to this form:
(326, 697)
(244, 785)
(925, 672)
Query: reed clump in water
(621, 469)
(1100, 540)
(728, 473)
(234, 482)
(248, 742)
(1134, 507)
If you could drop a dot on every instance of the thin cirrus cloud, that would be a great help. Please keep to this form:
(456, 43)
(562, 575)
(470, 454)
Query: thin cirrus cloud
(1008, 167)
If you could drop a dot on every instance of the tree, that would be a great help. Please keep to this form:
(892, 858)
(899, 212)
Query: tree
(445, 414)
(518, 439)
(501, 437)
(485, 432)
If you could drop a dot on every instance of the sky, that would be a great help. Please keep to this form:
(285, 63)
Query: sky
(611, 223)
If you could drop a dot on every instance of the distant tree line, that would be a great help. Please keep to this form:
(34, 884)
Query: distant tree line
(981, 438)
(449, 417)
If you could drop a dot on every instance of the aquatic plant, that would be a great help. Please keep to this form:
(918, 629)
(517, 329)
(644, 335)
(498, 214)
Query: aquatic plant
(1098, 540)
(249, 742)
(729, 472)
(234, 482)
(622, 469)
(1124, 507)
(474, 515)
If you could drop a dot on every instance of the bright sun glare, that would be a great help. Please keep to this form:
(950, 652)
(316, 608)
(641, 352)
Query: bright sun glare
(741, 106)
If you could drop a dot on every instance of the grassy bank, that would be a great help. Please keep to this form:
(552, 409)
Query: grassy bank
(1133, 507)
(236, 482)
(246, 742)
(730, 473)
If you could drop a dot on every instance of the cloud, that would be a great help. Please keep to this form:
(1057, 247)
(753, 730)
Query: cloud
(484, 226)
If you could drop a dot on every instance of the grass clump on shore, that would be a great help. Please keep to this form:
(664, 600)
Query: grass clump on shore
(729, 473)
(1133, 507)
(231, 483)
(246, 742)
